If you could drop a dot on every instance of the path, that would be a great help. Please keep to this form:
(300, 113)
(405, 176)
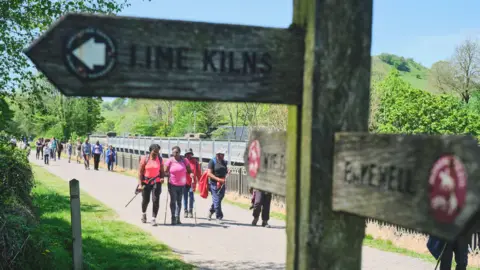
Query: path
(236, 245)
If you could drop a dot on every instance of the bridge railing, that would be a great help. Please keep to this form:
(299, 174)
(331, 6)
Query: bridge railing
(203, 149)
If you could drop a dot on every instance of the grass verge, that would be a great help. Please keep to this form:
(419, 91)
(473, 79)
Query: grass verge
(107, 242)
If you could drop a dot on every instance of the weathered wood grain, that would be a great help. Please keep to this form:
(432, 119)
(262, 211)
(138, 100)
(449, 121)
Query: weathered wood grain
(253, 64)
(403, 159)
(335, 98)
(77, 246)
(271, 176)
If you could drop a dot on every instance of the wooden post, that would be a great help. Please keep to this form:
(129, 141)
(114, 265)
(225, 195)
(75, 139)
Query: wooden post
(76, 224)
(336, 91)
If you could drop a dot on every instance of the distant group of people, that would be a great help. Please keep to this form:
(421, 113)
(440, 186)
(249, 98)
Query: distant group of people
(48, 149)
(182, 175)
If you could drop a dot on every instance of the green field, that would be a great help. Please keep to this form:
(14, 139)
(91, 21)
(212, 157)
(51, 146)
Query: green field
(107, 242)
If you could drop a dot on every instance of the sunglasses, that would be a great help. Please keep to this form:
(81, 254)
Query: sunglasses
(175, 152)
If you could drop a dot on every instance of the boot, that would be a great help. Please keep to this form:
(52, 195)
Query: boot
(265, 224)
(178, 220)
(186, 214)
(174, 221)
(190, 214)
(255, 220)
(209, 215)
(144, 218)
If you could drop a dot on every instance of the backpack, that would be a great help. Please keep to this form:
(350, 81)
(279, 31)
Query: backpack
(203, 185)
(147, 158)
(214, 159)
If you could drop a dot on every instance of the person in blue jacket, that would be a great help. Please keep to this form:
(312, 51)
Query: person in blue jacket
(110, 157)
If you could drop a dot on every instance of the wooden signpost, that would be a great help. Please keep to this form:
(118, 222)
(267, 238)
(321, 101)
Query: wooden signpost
(426, 183)
(265, 161)
(320, 65)
(95, 55)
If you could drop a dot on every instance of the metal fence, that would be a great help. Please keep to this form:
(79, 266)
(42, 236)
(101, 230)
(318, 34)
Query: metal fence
(203, 149)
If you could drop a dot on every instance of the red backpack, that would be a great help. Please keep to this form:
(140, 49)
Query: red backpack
(203, 185)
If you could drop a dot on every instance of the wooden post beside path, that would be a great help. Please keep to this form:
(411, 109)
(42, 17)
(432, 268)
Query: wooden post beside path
(76, 224)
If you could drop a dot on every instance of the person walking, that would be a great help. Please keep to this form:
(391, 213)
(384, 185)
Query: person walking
(150, 180)
(177, 168)
(69, 150)
(97, 152)
(59, 149)
(189, 190)
(86, 154)
(261, 204)
(217, 172)
(39, 147)
(79, 151)
(46, 152)
(460, 248)
(53, 148)
(42, 141)
(110, 157)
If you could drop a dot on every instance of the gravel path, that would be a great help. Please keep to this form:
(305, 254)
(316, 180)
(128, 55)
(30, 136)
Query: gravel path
(235, 245)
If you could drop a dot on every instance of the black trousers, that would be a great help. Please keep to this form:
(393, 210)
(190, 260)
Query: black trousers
(38, 153)
(155, 190)
(460, 248)
(262, 204)
(96, 161)
(176, 193)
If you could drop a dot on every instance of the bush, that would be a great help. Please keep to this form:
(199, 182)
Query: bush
(19, 250)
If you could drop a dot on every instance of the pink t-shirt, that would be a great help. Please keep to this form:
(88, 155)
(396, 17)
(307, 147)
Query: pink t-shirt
(178, 171)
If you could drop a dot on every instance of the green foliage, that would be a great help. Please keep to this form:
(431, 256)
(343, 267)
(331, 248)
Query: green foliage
(21, 21)
(54, 115)
(17, 220)
(404, 109)
(6, 114)
(398, 62)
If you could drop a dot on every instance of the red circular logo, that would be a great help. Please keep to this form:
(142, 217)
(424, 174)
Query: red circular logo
(448, 188)
(253, 158)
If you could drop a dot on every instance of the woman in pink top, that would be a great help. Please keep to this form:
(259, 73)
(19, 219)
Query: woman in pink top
(150, 180)
(177, 168)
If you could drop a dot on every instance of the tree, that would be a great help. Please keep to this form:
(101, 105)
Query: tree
(55, 115)
(462, 73)
(23, 20)
(404, 109)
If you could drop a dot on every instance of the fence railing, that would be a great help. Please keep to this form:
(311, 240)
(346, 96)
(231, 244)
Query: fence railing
(203, 149)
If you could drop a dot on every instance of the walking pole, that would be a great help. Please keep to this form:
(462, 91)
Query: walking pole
(166, 205)
(194, 207)
(136, 193)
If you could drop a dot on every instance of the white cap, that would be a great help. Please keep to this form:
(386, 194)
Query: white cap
(220, 151)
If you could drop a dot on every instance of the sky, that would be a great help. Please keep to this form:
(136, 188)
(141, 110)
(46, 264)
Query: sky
(425, 30)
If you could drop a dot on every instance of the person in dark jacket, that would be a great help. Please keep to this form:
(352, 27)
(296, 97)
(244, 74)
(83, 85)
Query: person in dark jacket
(261, 204)
(459, 247)
(217, 172)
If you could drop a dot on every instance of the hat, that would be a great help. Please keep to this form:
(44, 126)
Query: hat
(190, 151)
(220, 151)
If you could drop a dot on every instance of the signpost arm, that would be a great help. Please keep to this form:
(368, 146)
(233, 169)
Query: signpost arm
(335, 98)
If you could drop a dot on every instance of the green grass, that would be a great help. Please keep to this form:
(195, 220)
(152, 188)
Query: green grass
(107, 242)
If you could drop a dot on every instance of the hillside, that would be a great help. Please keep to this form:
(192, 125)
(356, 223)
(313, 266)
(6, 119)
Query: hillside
(411, 71)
